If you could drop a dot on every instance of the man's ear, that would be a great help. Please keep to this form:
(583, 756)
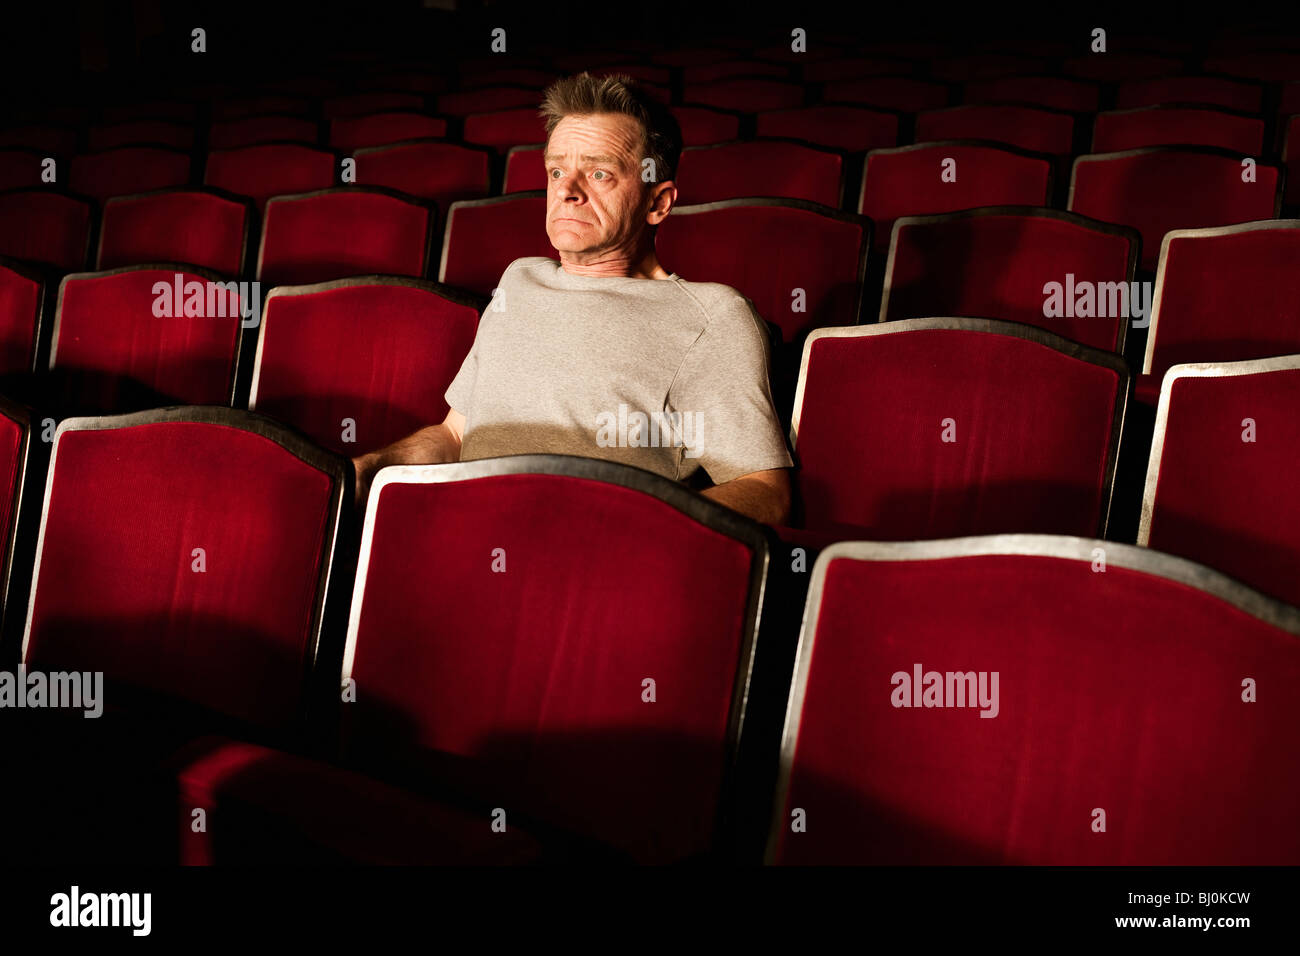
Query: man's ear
(663, 196)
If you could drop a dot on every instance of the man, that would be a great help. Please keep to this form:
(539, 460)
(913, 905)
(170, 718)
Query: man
(606, 354)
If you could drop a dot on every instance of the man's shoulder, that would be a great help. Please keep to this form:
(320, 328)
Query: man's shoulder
(721, 304)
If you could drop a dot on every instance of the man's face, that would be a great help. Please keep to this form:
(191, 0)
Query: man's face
(596, 202)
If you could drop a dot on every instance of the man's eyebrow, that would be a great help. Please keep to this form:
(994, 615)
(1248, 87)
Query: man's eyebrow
(599, 158)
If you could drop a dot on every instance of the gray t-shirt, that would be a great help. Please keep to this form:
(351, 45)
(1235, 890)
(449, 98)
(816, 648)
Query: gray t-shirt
(663, 374)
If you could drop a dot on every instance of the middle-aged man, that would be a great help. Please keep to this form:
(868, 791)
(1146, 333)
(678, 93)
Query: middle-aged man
(605, 354)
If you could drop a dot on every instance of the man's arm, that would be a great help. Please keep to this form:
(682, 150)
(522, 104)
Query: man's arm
(435, 445)
(761, 495)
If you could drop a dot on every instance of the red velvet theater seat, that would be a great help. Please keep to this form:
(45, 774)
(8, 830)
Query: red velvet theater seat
(259, 130)
(702, 126)
(160, 132)
(378, 352)
(21, 168)
(1223, 295)
(1051, 92)
(168, 110)
(995, 263)
(488, 100)
(745, 94)
(202, 227)
(348, 231)
(934, 428)
(1162, 188)
(1118, 693)
(271, 169)
(45, 228)
(381, 129)
(358, 104)
(854, 129)
(1025, 127)
(484, 236)
(908, 181)
(764, 248)
(1220, 91)
(1269, 66)
(15, 475)
(531, 688)
(261, 104)
(48, 139)
(428, 169)
(1221, 482)
(1118, 67)
(129, 503)
(901, 93)
(112, 351)
(22, 297)
(1117, 130)
(505, 128)
(525, 169)
(785, 169)
(126, 170)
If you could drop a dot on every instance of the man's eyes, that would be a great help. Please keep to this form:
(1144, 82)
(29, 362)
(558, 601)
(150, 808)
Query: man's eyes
(599, 175)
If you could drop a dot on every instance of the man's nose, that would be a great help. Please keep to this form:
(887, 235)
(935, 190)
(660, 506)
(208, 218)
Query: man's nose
(568, 186)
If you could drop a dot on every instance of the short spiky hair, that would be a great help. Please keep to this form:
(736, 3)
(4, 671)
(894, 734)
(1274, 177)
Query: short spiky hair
(583, 94)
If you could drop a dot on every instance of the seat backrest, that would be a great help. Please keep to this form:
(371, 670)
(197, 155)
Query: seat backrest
(265, 128)
(702, 126)
(525, 169)
(21, 167)
(1118, 67)
(935, 678)
(484, 236)
(487, 99)
(125, 170)
(428, 169)
(1162, 188)
(1269, 66)
(203, 227)
(152, 131)
(1052, 92)
(1002, 262)
(48, 139)
(1116, 130)
(22, 302)
(1025, 127)
(940, 427)
(348, 133)
(946, 177)
(745, 94)
(359, 363)
(45, 228)
(502, 129)
(358, 104)
(271, 169)
(902, 93)
(1222, 91)
(854, 129)
(785, 169)
(185, 552)
(16, 473)
(348, 231)
(1220, 484)
(562, 655)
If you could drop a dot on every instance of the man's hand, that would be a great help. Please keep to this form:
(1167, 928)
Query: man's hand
(761, 495)
(435, 445)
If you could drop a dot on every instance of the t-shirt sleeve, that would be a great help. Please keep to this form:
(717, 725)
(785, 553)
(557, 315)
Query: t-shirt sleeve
(723, 382)
(460, 393)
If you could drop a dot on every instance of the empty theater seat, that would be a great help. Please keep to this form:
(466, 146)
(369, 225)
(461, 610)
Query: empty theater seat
(58, 140)
(358, 104)
(428, 169)
(525, 169)
(261, 104)
(22, 304)
(160, 132)
(119, 343)
(786, 169)
(1118, 67)
(348, 231)
(483, 236)
(1221, 91)
(1052, 92)
(1103, 682)
(745, 94)
(901, 93)
(1117, 130)
(271, 169)
(204, 227)
(1220, 482)
(557, 724)
(939, 427)
(357, 364)
(854, 129)
(20, 168)
(487, 100)
(45, 228)
(910, 181)
(1158, 189)
(259, 130)
(1026, 127)
(996, 263)
(504, 128)
(1270, 66)
(185, 553)
(702, 126)
(126, 170)
(380, 129)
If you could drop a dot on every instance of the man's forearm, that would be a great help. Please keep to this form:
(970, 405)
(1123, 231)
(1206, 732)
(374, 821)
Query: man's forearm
(765, 499)
(434, 445)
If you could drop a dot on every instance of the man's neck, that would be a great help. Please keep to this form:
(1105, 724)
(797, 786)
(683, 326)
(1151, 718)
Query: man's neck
(615, 264)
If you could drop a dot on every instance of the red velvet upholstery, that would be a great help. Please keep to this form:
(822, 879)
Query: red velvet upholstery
(745, 94)
(191, 226)
(486, 235)
(1156, 190)
(1031, 430)
(1291, 158)
(525, 169)
(358, 104)
(258, 130)
(1052, 92)
(1119, 691)
(488, 100)
(20, 168)
(126, 170)
(1213, 90)
(381, 129)
(12, 435)
(1226, 298)
(108, 343)
(702, 126)
(996, 265)
(907, 182)
(343, 232)
(47, 139)
(112, 135)
(1163, 126)
(901, 93)
(270, 169)
(744, 169)
(376, 352)
(505, 128)
(44, 227)
(532, 679)
(1118, 67)
(1026, 127)
(116, 590)
(737, 244)
(20, 304)
(850, 128)
(436, 170)
(1227, 502)
(1271, 66)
